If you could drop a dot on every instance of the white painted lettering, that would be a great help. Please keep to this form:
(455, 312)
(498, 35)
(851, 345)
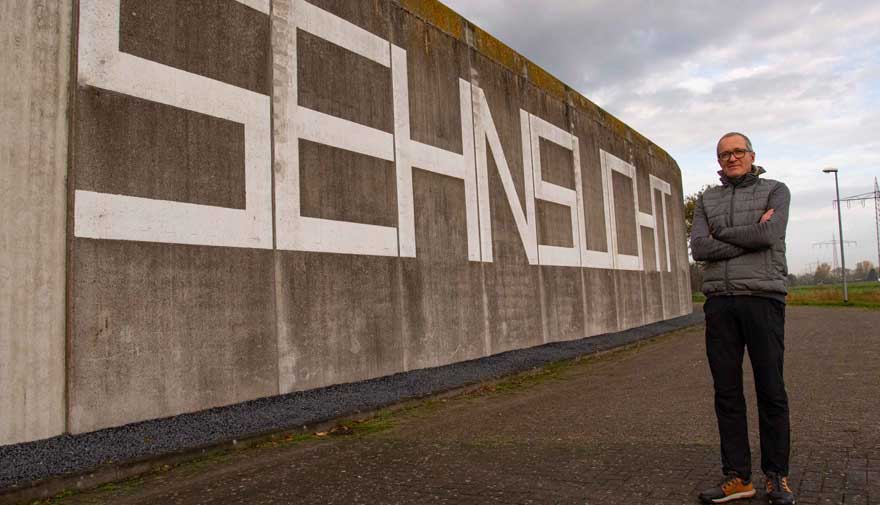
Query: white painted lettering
(120, 217)
(415, 154)
(487, 134)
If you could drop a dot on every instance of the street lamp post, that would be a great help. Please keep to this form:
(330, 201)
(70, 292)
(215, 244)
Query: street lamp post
(840, 230)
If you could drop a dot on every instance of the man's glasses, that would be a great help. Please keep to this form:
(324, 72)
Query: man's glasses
(736, 153)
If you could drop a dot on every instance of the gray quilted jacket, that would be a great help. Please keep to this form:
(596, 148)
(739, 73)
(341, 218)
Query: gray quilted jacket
(741, 255)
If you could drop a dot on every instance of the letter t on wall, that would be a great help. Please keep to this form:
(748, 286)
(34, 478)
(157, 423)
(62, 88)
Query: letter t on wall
(665, 192)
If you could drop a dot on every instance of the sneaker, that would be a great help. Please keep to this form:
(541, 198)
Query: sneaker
(778, 490)
(732, 487)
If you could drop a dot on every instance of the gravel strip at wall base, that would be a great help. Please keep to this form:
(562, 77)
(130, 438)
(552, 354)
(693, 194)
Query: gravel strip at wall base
(27, 464)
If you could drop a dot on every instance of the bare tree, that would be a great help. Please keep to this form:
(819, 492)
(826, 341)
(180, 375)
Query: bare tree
(690, 203)
(696, 268)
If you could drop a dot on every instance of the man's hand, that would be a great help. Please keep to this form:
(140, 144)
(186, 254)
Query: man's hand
(766, 217)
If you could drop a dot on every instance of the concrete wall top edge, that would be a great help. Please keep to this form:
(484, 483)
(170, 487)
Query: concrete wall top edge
(457, 26)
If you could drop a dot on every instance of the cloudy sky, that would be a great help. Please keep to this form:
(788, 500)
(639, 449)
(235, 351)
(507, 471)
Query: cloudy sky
(801, 78)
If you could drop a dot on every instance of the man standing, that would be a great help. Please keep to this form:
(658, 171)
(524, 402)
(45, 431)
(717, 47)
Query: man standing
(739, 232)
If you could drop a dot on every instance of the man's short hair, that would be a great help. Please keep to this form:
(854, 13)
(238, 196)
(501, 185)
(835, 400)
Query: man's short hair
(731, 134)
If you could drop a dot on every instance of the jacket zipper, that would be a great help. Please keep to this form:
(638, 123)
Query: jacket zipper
(726, 263)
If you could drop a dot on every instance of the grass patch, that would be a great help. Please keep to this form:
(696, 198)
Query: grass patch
(118, 488)
(286, 440)
(698, 297)
(127, 485)
(490, 442)
(861, 294)
(549, 372)
(55, 499)
(383, 421)
(195, 465)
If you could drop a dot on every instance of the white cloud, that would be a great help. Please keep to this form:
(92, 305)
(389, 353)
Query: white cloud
(801, 79)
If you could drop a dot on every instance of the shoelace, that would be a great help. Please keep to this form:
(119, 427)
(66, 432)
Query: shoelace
(776, 482)
(728, 482)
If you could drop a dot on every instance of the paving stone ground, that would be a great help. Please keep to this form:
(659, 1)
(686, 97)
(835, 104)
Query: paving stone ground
(631, 426)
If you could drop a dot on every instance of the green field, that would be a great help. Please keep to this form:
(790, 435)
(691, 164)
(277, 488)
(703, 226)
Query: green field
(861, 294)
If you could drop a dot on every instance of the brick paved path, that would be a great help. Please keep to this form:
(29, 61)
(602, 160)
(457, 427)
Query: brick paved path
(633, 426)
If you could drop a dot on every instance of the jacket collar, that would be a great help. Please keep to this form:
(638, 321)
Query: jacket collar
(743, 181)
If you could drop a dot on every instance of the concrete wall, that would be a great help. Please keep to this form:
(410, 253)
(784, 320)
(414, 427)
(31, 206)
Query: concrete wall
(35, 36)
(271, 197)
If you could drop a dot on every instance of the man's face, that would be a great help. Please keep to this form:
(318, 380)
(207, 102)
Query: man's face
(734, 167)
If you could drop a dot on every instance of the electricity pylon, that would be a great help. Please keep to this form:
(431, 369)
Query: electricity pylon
(833, 243)
(864, 197)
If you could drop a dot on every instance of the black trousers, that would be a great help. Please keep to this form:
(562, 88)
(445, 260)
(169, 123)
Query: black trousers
(735, 323)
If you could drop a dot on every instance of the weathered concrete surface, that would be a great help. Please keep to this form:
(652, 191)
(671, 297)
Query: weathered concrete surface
(629, 427)
(339, 315)
(222, 255)
(339, 320)
(511, 284)
(161, 329)
(442, 300)
(36, 39)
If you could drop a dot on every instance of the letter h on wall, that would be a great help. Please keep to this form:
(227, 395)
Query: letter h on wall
(298, 232)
